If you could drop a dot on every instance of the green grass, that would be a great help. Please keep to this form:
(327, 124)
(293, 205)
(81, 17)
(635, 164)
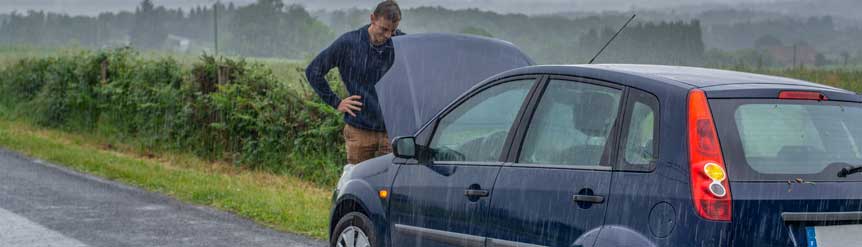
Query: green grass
(282, 202)
(10, 54)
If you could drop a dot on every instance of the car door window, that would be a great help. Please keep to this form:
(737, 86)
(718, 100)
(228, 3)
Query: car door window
(477, 129)
(640, 144)
(571, 125)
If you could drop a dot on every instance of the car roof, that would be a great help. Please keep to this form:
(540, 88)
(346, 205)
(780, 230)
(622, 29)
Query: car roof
(679, 76)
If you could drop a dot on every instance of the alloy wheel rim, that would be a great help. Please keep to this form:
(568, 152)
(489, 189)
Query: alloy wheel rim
(352, 236)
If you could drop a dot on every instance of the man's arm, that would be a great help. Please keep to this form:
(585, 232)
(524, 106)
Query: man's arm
(316, 75)
(319, 67)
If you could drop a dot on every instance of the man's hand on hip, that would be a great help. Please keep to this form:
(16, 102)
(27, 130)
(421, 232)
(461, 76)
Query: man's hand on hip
(350, 104)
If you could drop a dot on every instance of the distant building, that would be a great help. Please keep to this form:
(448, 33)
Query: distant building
(178, 43)
(801, 54)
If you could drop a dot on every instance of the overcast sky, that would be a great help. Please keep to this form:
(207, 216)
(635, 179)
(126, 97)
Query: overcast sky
(92, 7)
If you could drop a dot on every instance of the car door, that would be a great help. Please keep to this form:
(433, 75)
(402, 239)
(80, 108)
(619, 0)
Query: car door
(552, 193)
(443, 202)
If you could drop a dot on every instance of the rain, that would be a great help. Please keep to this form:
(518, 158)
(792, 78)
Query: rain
(431, 122)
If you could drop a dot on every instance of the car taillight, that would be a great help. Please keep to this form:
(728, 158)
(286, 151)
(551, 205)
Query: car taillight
(802, 95)
(709, 186)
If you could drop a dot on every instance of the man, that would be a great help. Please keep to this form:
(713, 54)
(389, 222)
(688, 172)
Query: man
(362, 57)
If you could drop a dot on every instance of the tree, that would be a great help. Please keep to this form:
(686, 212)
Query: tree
(269, 28)
(149, 29)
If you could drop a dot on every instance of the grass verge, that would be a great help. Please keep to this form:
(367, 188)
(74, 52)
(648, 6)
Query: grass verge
(281, 202)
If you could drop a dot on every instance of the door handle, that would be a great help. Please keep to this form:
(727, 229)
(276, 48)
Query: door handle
(476, 193)
(589, 198)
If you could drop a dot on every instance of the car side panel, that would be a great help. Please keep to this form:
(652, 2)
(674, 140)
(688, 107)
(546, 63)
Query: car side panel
(429, 206)
(656, 206)
(535, 206)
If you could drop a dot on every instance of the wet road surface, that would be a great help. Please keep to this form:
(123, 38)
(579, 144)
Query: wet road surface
(42, 204)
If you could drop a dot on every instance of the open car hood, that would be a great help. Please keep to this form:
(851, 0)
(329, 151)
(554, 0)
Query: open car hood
(433, 69)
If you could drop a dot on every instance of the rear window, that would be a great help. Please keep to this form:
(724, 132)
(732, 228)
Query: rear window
(780, 140)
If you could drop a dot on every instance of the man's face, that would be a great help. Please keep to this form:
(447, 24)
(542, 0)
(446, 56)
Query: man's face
(381, 29)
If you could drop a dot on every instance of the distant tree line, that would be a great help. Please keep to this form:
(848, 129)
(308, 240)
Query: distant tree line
(552, 39)
(265, 28)
(724, 37)
(821, 32)
(665, 42)
(270, 28)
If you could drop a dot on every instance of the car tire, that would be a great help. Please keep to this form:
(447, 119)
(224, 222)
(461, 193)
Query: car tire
(354, 230)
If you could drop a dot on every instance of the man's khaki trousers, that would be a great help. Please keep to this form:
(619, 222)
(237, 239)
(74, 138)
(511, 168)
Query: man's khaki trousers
(363, 144)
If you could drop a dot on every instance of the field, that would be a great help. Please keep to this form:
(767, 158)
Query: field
(291, 72)
(847, 78)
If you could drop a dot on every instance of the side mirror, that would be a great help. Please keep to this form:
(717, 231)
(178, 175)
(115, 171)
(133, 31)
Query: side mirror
(404, 147)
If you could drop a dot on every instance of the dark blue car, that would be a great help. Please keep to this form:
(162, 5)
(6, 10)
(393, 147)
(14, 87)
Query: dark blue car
(601, 155)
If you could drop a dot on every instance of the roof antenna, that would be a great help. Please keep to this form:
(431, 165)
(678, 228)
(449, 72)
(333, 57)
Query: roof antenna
(612, 38)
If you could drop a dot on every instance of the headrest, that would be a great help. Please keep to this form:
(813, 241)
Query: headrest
(594, 113)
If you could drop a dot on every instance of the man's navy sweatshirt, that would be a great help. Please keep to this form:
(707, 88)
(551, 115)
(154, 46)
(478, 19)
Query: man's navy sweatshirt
(361, 64)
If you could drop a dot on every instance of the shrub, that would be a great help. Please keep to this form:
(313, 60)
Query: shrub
(220, 108)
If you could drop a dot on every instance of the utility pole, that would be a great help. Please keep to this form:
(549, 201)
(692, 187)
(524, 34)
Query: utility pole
(215, 26)
(795, 46)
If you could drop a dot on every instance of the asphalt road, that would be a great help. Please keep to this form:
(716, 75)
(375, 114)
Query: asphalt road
(42, 204)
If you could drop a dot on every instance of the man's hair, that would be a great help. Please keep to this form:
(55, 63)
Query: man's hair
(389, 10)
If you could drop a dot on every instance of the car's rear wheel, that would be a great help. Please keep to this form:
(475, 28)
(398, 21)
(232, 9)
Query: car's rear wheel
(354, 230)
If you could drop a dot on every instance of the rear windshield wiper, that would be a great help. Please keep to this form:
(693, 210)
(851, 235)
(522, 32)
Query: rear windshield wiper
(847, 171)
